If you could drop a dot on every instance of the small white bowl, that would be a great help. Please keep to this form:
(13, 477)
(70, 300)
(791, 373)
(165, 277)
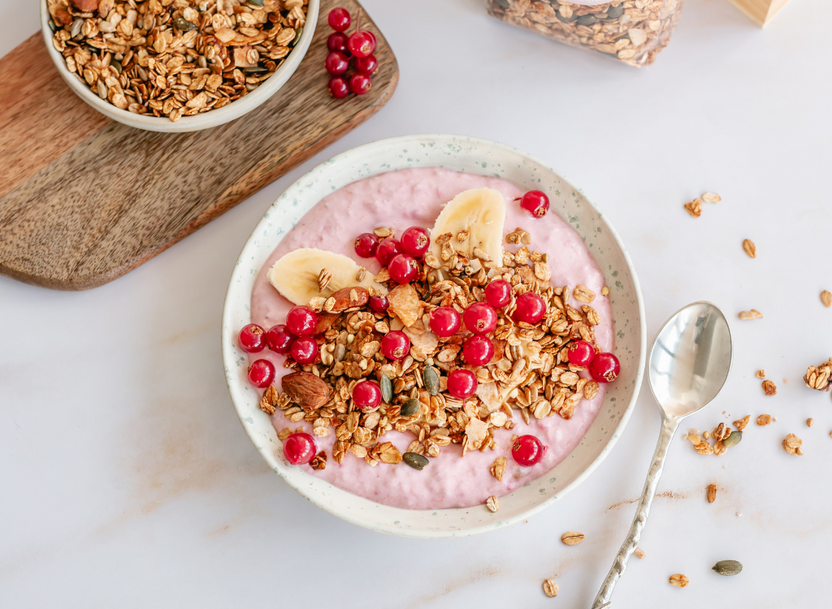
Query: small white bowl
(478, 157)
(197, 122)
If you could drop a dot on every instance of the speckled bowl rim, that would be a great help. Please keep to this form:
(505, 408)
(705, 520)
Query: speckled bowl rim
(206, 120)
(243, 276)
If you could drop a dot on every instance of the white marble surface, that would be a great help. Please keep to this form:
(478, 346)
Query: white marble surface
(128, 482)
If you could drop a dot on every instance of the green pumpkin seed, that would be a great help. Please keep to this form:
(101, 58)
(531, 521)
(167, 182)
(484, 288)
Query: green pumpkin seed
(587, 20)
(431, 380)
(415, 460)
(386, 389)
(254, 70)
(180, 23)
(615, 12)
(52, 26)
(256, 2)
(411, 407)
(116, 65)
(297, 36)
(75, 28)
(728, 567)
(733, 439)
(565, 19)
(503, 3)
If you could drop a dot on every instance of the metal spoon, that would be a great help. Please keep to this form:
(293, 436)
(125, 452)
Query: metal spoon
(689, 364)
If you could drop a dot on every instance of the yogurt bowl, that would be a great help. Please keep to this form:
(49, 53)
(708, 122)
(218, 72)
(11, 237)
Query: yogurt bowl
(478, 158)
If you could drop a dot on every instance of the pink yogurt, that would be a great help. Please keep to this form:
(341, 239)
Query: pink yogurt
(414, 197)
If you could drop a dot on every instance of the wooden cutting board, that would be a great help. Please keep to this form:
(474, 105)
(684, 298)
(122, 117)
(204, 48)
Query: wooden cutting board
(84, 200)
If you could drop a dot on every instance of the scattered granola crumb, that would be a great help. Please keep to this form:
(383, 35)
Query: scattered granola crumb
(605, 290)
(550, 588)
(809, 422)
(752, 314)
(763, 419)
(742, 423)
(679, 580)
(694, 208)
(498, 468)
(318, 461)
(792, 445)
(711, 197)
(572, 538)
(826, 298)
(493, 504)
(818, 377)
(639, 553)
(707, 435)
(750, 248)
(703, 448)
(770, 388)
(711, 493)
(761, 374)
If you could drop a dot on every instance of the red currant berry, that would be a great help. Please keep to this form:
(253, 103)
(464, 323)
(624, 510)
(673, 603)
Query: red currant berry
(480, 318)
(366, 65)
(337, 42)
(366, 245)
(445, 321)
(478, 350)
(301, 321)
(372, 36)
(339, 19)
(366, 394)
(305, 350)
(337, 63)
(395, 345)
(528, 450)
(338, 87)
(379, 304)
(581, 353)
(462, 383)
(360, 84)
(530, 308)
(279, 339)
(362, 43)
(299, 448)
(535, 202)
(261, 373)
(252, 339)
(498, 293)
(386, 250)
(415, 241)
(403, 269)
(604, 368)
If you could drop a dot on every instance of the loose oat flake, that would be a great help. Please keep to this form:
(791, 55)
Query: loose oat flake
(769, 388)
(679, 580)
(752, 314)
(493, 504)
(818, 377)
(639, 553)
(763, 419)
(792, 445)
(572, 538)
(711, 493)
(694, 208)
(750, 248)
(711, 197)
(826, 298)
(550, 588)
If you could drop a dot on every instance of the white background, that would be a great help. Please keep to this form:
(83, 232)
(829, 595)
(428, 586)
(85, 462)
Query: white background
(127, 480)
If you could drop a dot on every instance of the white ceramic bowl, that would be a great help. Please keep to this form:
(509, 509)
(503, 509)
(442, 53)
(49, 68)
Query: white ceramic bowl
(474, 156)
(205, 120)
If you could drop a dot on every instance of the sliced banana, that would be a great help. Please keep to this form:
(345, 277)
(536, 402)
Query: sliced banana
(296, 274)
(477, 215)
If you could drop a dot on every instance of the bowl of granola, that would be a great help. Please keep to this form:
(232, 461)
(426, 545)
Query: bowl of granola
(433, 336)
(177, 66)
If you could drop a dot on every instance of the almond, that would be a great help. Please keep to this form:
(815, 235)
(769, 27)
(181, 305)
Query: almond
(306, 390)
(347, 298)
(325, 320)
(85, 6)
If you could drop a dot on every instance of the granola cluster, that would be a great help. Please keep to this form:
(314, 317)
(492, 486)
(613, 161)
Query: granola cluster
(529, 376)
(174, 58)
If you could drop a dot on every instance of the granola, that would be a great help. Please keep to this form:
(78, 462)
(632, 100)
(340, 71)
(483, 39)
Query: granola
(818, 377)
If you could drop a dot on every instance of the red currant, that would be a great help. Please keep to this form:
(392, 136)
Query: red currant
(252, 339)
(581, 353)
(395, 345)
(366, 394)
(379, 304)
(498, 293)
(301, 321)
(415, 241)
(366, 65)
(337, 42)
(305, 350)
(386, 250)
(280, 339)
(535, 202)
(360, 84)
(478, 350)
(366, 245)
(339, 19)
(462, 383)
(604, 368)
(299, 448)
(480, 318)
(528, 450)
(403, 269)
(530, 308)
(261, 373)
(361, 43)
(445, 321)
(338, 87)
(337, 63)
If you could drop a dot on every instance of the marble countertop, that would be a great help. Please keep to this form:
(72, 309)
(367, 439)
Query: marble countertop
(128, 481)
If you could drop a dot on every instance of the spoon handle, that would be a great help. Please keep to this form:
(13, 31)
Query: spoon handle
(669, 426)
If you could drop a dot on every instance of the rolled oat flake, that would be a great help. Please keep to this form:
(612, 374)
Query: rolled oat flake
(728, 567)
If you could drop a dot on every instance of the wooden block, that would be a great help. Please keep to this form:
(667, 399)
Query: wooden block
(760, 11)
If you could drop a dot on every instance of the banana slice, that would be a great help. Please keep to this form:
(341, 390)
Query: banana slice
(480, 213)
(295, 275)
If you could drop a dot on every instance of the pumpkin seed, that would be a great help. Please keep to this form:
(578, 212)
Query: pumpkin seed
(256, 2)
(52, 26)
(503, 3)
(180, 23)
(586, 20)
(733, 439)
(386, 388)
(728, 567)
(415, 460)
(615, 12)
(76, 27)
(116, 65)
(411, 407)
(431, 380)
(254, 70)
(297, 36)
(565, 19)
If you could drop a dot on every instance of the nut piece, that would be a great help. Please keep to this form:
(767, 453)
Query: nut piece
(750, 248)
(711, 197)
(742, 423)
(639, 553)
(572, 538)
(809, 422)
(770, 388)
(763, 419)
(752, 314)
(493, 504)
(306, 390)
(498, 468)
(550, 588)
(679, 580)
(711, 493)
(347, 298)
(826, 298)
(694, 208)
(792, 445)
